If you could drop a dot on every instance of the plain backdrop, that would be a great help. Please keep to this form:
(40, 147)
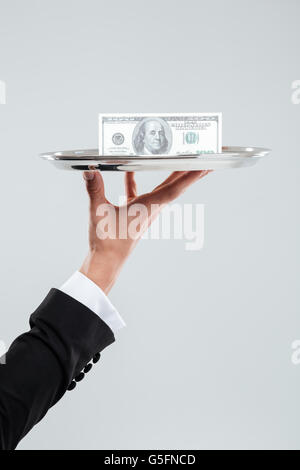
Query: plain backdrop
(205, 359)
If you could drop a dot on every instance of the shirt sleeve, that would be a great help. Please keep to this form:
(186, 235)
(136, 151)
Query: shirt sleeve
(85, 291)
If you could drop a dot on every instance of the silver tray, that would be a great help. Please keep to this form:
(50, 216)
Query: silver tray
(83, 160)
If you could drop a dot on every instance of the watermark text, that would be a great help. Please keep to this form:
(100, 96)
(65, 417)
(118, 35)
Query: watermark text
(2, 92)
(295, 97)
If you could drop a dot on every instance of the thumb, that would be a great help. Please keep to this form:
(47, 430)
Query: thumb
(95, 187)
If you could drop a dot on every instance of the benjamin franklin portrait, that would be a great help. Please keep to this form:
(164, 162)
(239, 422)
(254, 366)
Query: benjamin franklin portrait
(152, 136)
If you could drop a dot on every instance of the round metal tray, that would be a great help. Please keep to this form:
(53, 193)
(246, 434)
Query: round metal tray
(83, 160)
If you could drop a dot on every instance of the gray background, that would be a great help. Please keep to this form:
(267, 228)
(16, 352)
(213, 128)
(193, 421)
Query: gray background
(205, 360)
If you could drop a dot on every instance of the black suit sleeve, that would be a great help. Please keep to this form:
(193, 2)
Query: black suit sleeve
(41, 364)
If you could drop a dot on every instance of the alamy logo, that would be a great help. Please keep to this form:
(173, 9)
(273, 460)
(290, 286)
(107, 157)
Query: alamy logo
(295, 358)
(295, 98)
(175, 222)
(2, 92)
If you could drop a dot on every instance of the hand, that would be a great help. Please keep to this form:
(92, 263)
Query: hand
(108, 249)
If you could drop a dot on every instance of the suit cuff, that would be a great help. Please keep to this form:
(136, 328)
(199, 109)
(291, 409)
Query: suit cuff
(85, 291)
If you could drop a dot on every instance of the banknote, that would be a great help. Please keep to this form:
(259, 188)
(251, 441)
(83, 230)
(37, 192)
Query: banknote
(160, 134)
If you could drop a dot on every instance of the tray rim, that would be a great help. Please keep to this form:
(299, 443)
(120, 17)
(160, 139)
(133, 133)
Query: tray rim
(228, 152)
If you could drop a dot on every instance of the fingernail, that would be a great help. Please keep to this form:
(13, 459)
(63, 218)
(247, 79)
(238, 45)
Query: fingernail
(88, 175)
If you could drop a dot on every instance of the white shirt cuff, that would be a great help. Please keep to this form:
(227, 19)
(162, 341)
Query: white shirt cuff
(85, 291)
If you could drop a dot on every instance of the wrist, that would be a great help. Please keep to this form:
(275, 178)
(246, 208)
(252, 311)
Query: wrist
(102, 269)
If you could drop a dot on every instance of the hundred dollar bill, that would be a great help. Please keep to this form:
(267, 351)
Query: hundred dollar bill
(160, 134)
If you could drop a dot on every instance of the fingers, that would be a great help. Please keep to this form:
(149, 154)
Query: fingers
(175, 188)
(173, 176)
(95, 187)
(130, 185)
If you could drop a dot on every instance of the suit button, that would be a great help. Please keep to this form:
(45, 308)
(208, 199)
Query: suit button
(96, 358)
(79, 377)
(87, 368)
(72, 386)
